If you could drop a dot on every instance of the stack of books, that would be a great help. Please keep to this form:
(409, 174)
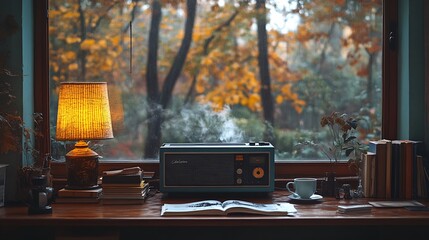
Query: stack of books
(394, 169)
(124, 186)
(78, 195)
(362, 208)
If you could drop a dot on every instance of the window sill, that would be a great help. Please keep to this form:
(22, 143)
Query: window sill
(285, 169)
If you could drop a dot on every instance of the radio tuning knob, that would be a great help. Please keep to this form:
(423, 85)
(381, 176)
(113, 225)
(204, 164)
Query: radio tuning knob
(258, 172)
(239, 181)
(239, 171)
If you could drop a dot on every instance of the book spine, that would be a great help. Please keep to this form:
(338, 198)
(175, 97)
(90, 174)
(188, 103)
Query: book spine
(78, 194)
(379, 148)
(367, 178)
(396, 177)
(408, 181)
(416, 152)
(426, 177)
(388, 169)
(122, 179)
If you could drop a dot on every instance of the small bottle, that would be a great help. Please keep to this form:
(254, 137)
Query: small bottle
(40, 196)
(347, 194)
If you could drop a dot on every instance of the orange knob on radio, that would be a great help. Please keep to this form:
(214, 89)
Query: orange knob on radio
(258, 172)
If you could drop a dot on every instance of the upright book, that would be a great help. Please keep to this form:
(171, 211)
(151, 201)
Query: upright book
(404, 159)
(213, 207)
(368, 178)
(380, 150)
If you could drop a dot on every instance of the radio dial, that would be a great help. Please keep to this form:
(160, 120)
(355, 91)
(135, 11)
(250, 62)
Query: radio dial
(258, 172)
(239, 181)
(239, 171)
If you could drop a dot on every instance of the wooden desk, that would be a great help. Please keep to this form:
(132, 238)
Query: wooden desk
(125, 221)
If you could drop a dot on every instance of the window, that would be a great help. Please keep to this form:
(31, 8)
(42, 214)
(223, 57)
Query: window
(321, 56)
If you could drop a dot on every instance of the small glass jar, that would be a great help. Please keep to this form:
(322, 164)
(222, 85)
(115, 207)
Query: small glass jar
(347, 194)
(40, 195)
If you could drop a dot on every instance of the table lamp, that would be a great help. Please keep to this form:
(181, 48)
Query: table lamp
(83, 114)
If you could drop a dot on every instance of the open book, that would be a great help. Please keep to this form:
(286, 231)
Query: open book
(213, 207)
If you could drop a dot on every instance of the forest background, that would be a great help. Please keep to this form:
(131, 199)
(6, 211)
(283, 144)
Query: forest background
(220, 71)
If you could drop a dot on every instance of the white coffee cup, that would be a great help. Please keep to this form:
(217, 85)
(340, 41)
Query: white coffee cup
(304, 187)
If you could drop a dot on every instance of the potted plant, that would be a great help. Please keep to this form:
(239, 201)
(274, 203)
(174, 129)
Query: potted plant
(343, 143)
(12, 127)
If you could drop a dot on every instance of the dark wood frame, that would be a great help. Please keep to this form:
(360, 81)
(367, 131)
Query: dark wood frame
(283, 169)
(426, 58)
(41, 73)
(390, 70)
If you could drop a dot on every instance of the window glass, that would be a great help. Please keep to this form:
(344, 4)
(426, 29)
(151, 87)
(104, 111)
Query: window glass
(220, 71)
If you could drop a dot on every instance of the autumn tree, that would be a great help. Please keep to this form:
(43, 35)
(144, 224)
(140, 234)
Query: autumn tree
(266, 96)
(158, 101)
(226, 55)
(338, 45)
(239, 58)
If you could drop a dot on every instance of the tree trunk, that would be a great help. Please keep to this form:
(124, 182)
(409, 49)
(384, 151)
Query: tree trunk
(179, 60)
(153, 138)
(266, 96)
(156, 103)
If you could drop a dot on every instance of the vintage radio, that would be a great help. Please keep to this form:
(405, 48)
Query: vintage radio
(219, 167)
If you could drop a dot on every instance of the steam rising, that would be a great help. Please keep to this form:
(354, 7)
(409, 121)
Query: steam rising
(201, 124)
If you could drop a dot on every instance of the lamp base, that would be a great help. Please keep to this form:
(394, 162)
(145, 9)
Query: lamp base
(82, 167)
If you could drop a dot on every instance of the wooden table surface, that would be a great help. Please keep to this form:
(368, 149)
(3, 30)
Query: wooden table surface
(148, 214)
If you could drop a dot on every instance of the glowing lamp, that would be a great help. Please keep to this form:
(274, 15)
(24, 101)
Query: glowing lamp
(83, 114)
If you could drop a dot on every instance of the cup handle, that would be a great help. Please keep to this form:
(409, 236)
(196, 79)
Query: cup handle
(287, 186)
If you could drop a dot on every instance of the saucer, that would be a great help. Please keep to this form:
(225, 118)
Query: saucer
(314, 198)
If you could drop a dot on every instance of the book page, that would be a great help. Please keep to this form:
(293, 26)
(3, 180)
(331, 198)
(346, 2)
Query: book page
(257, 208)
(211, 207)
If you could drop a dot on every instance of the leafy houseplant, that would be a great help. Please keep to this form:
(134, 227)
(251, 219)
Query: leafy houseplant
(343, 143)
(344, 138)
(12, 127)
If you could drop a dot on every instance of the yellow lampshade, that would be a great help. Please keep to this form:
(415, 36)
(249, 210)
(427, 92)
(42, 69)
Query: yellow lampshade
(83, 111)
(83, 114)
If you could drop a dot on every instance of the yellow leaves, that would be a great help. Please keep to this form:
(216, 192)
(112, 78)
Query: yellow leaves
(201, 33)
(54, 13)
(70, 15)
(71, 40)
(91, 44)
(207, 61)
(52, 29)
(87, 44)
(107, 64)
(254, 102)
(73, 67)
(199, 88)
(287, 94)
(102, 43)
(235, 66)
(115, 40)
(298, 105)
(68, 56)
(279, 99)
(54, 66)
(286, 89)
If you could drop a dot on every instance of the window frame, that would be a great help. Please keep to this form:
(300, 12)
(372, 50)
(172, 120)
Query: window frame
(284, 169)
